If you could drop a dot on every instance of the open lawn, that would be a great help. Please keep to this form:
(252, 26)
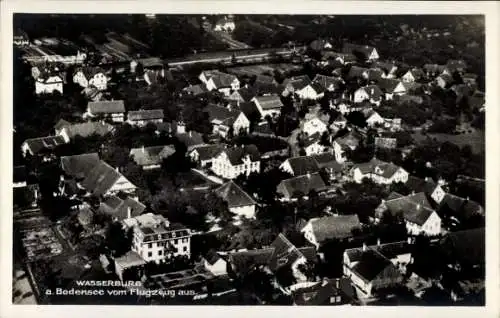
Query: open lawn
(476, 139)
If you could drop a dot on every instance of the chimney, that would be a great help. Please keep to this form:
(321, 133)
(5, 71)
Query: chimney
(409, 240)
(129, 212)
(308, 175)
(418, 206)
(143, 149)
(412, 192)
(190, 133)
(117, 169)
(426, 179)
(337, 283)
(378, 241)
(364, 247)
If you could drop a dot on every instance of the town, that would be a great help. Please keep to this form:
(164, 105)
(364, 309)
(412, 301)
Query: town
(249, 160)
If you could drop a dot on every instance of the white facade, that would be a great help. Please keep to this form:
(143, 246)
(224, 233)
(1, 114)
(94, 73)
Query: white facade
(235, 85)
(141, 123)
(438, 194)
(314, 125)
(374, 119)
(398, 91)
(222, 167)
(218, 268)
(339, 153)
(241, 124)
(247, 211)
(408, 77)
(373, 55)
(99, 80)
(399, 176)
(266, 112)
(308, 93)
(431, 227)
(121, 185)
(361, 95)
(309, 234)
(157, 249)
(314, 149)
(227, 26)
(49, 86)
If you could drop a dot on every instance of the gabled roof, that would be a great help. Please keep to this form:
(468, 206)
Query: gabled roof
(130, 259)
(106, 107)
(191, 139)
(378, 167)
(269, 102)
(78, 166)
(222, 79)
(372, 264)
(351, 140)
(61, 123)
(285, 253)
(388, 84)
(263, 127)
(151, 155)
(90, 71)
(264, 79)
(364, 49)
(463, 208)
(207, 152)
(221, 115)
(421, 185)
(301, 184)
(321, 292)
(246, 93)
(88, 129)
(356, 72)
(373, 92)
(36, 145)
(118, 207)
(150, 62)
(244, 261)
(340, 226)
(101, 178)
(297, 82)
(415, 207)
(386, 67)
(327, 82)
(212, 257)
(303, 165)
(327, 160)
(416, 72)
(145, 114)
(234, 195)
(375, 74)
(236, 154)
(388, 250)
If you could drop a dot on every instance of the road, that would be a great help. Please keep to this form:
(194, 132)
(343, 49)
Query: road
(228, 39)
(229, 57)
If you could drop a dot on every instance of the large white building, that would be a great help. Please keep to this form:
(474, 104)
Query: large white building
(156, 239)
(232, 162)
(91, 76)
(48, 84)
(379, 172)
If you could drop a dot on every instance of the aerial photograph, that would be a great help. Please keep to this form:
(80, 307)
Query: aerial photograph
(239, 159)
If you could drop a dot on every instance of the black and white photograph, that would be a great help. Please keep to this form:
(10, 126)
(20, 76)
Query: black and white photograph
(248, 159)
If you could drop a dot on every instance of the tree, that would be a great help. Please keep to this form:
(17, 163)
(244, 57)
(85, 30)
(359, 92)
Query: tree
(118, 240)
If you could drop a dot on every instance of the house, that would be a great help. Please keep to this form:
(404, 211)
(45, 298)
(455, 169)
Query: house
(190, 139)
(389, 69)
(312, 145)
(157, 239)
(300, 186)
(372, 118)
(336, 291)
(373, 268)
(357, 72)
(238, 201)
(120, 208)
(151, 157)
(130, 262)
(298, 166)
(406, 99)
(379, 171)
(232, 162)
(365, 52)
(225, 24)
(227, 121)
(79, 166)
(195, 90)
(320, 45)
(244, 94)
(345, 58)
(48, 83)
(392, 87)
(460, 209)
(215, 264)
(91, 76)
(244, 261)
(416, 211)
(339, 122)
(203, 155)
(71, 131)
(155, 76)
(299, 85)
(386, 142)
(470, 79)
(222, 82)
(444, 80)
(413, 75)
(328, 83)
(114, 110)
(318, 230)
(327, 162)
(432, 189)
(41, 145)
(92, 93)
(104, 181)
(433, 70)
(348, 142)
(315, 126)
(144, 116)
(370, 93)
(459, 66)
(268, 105)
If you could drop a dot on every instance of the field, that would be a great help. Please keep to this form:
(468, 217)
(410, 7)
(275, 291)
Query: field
(476, 139)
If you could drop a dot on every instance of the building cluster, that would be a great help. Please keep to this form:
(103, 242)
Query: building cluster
(318, 163)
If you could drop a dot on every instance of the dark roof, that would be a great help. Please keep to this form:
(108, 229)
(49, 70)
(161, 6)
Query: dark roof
(320, 292)
(101, 178)
(90, 71)
(244, 261)
(78, 166)
(303, 184)
(388, 85)
(106, 107)
(351, 140)
(303, 165)
(88, 129)
(212, 257)
(378, 167)
(151, 155)
(356, 72)
(384, 66)
(20, 174)
(340, 226)
(352, 48)
(61, 123)
(327, 82)
(461, 207)
(312, 139)
(247, 93)
(466, 246)
(263, 127)
(151, 62)
(145, 114)
(285, 253)
(249, 109)
(221, 114)
(297, 82)
(264, 79)
(375, 74)
(231, 193)
(207, 152)
(222, 79)
(373, 92)
(415, 207)
(236, 154)
(386, 142)
(327, 160)
(388, 250)
(36, 145)
(191, 139)
(118, 207)
(417, 72)
(421, 185)
(371, 265)
(196, 89)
